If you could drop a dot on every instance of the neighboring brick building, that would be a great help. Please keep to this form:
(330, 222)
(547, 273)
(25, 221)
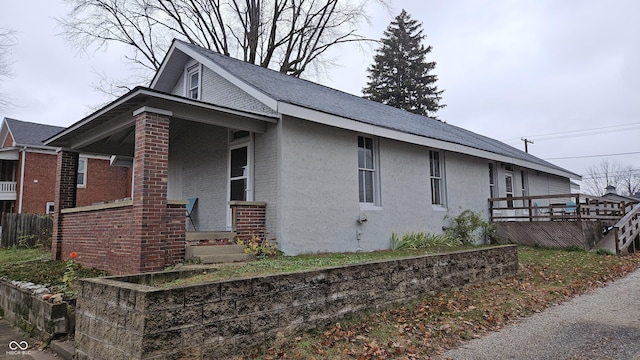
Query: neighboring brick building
(28, 171)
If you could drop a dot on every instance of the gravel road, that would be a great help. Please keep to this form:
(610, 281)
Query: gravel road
(604, 324)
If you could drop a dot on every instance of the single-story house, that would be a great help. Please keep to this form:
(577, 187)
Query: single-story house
(313, 168)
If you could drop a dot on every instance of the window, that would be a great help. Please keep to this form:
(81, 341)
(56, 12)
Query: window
(523, 180)
(50, 207)
(193, 82)
(437, 180)
(81, 178)
(492, 185)
(366, 170)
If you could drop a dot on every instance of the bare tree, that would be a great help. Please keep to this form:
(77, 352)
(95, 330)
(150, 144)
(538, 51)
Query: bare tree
(287, 35)
(625, 179)
(7, 41)
(630, 180)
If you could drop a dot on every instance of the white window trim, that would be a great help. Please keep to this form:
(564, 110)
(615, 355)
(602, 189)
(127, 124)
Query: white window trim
(443, 192)
(50, 204)
(190, 69)
(248, 142)
(377, 203)
(84, 175)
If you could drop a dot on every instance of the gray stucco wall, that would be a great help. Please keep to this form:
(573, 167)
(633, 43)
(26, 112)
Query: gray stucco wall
(319, 207)
(201, 150)
(266, 175)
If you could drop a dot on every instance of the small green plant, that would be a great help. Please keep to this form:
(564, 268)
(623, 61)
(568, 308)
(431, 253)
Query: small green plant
(419, 240)
(469, 227)
(604, 252)
(261, 248)
(573, 248)
(70, 275)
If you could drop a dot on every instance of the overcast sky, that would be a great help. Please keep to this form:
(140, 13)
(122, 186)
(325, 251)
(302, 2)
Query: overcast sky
(510, 69)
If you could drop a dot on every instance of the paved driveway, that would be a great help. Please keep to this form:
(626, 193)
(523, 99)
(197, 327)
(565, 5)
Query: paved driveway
(604, 324)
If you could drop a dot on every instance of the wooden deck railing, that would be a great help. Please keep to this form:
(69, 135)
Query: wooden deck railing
(627, 230)
(557, 208)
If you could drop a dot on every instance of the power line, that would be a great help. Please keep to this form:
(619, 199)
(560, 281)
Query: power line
(591, 156)
(578, 132)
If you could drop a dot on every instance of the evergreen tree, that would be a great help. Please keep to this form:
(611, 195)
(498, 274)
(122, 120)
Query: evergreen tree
(400, 75)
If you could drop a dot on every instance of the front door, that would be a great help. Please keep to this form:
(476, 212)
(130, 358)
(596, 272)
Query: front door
(240, 187)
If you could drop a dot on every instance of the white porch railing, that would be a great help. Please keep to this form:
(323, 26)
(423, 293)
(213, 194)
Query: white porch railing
(7, 190)
(7, 186)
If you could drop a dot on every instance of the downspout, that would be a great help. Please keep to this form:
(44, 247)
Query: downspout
(24, 155)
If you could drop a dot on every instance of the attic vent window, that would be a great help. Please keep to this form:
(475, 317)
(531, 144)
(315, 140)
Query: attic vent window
(193, 82)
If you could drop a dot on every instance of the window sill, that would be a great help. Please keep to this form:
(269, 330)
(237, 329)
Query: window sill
(369, 207)
(439, 208)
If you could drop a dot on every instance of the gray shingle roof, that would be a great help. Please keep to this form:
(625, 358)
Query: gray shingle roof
(28, 133)
(314, 96)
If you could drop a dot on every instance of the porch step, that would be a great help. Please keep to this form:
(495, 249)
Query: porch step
(209, 235)
(213, 254)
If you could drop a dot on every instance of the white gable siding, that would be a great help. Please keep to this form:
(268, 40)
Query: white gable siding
(178, 88)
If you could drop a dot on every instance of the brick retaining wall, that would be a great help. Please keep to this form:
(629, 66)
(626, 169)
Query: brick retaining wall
(125, 318)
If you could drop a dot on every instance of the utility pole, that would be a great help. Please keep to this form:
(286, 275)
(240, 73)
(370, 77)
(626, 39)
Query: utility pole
(526, 143)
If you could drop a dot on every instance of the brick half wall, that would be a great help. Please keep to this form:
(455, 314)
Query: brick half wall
(102, 235)
(248, 218)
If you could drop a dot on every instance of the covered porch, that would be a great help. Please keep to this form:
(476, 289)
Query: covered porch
(178, 149)
(564, 220)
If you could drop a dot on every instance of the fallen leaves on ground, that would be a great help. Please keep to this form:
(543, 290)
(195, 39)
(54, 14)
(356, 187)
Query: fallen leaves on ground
(431, 325)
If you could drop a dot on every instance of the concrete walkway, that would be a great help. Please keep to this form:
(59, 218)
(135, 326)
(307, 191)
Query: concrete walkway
(16, 345)
(604, 324)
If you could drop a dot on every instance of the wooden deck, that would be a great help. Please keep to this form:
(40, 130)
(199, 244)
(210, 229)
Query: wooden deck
(557, 221)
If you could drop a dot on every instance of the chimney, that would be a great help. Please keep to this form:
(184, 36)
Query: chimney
(610, 189)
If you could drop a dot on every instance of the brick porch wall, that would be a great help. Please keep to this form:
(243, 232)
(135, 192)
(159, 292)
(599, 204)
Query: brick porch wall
(248, 218)
(101, 235)
(144, 234)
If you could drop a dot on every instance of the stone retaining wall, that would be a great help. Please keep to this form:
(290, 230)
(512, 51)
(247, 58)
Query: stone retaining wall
(126, 318)
(26, 309)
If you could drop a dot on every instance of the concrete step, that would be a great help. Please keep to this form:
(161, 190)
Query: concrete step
(192, 251)
(225, 258)
(64, 349)
(209, 235)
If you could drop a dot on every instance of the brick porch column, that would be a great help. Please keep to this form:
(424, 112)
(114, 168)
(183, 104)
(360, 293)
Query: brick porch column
(150, 173)
(65, 196)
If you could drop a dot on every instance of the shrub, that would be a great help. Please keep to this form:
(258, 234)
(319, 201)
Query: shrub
(469, 227)
(418, 240)
(259, 247)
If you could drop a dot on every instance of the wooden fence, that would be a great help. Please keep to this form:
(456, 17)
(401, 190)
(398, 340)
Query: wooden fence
(26, 230)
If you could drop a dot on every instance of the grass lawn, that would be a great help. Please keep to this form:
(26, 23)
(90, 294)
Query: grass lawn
(283, 264)
(35, 265)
